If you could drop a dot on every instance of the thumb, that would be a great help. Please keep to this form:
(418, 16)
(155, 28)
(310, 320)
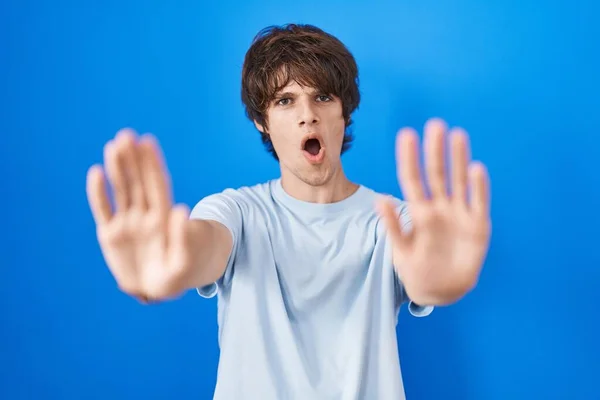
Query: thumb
(387, 210)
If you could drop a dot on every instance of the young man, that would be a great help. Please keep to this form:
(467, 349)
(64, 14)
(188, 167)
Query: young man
(310, 269)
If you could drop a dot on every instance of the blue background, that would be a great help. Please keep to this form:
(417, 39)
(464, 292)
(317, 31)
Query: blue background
(520, 76)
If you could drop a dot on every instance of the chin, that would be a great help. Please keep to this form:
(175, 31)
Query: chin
(317, 176)
(312, 174)
(315, 180)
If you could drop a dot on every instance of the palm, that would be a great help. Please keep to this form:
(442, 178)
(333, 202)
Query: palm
(135, 250)
(446, 241)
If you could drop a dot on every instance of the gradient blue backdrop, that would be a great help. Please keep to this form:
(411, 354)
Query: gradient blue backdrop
(521, 76)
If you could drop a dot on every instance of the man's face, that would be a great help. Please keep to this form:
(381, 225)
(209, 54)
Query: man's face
(307, 131)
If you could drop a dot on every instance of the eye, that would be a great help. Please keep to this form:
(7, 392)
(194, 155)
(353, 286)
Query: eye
(323, 98)
(284, 101)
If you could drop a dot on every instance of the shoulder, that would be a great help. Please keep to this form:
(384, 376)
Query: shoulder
(242, 193)
(240, 198)
(400, 204)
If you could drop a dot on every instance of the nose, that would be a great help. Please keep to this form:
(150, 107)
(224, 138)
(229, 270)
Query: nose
(307, 114)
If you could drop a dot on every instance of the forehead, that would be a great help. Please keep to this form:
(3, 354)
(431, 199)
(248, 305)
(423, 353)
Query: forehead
(296, 88)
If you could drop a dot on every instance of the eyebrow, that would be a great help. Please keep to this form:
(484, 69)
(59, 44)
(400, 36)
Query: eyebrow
(290, 94)
(284, 94)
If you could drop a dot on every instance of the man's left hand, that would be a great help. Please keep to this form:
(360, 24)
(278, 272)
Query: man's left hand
(440, 255)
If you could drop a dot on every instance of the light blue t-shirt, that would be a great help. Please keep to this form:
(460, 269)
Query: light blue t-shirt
(309, 301)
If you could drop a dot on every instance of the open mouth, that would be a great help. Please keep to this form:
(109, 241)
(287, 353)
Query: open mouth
(313, 148)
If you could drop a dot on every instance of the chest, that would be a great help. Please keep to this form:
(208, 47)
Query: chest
(322, 265)
(326, 246)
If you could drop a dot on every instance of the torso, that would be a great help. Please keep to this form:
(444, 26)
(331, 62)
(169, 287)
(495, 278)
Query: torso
(308, 304)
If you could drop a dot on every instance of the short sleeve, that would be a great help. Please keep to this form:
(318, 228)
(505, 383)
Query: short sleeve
(415, 309)
(223, 208)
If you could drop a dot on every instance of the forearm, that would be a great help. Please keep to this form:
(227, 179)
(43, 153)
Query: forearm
(210, 246)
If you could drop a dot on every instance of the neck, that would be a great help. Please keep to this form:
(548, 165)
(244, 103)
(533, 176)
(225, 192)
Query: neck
(337, 188)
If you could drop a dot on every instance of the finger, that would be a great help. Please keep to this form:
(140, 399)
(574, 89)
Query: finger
(115, 172)
(388, 213)
(480, 189)
(155, 175)
(408, 166)
(97, 195)
(128, 148)
(434, 157)
(460, 161)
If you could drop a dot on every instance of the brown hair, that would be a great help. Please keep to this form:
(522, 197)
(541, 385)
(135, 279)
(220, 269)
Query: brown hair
(305, 54)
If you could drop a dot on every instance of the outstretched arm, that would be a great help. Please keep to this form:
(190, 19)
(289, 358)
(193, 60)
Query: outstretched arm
(150, 245)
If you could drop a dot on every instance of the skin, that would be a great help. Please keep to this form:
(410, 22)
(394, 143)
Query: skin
(150, 246)
(295, 113)
(155, 252)
(441, 257)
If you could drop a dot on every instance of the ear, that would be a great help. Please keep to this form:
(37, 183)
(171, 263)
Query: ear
(259, 127)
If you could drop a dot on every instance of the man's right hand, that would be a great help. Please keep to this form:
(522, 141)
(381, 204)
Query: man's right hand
(146, 241)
